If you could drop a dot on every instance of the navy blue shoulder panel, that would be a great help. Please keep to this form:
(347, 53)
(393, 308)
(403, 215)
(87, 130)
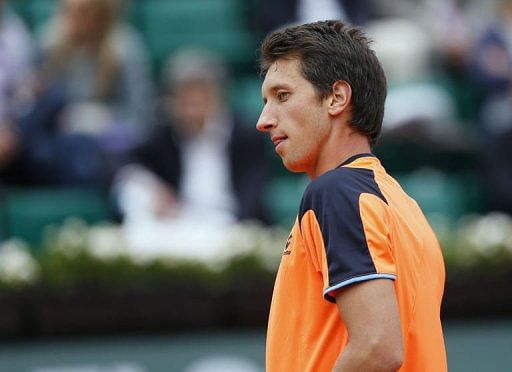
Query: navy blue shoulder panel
(334, 199)
(344, 183)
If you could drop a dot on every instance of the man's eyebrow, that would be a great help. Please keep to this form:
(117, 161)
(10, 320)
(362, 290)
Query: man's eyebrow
(277, 87)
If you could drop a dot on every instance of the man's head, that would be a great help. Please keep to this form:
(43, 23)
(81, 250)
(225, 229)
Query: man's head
(88, 21)
(194, 80)
(328, 52)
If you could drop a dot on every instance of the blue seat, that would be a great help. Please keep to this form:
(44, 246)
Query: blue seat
(217, 25)
(27, 211)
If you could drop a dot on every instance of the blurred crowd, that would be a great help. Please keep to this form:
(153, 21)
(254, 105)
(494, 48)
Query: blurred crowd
(82, 104)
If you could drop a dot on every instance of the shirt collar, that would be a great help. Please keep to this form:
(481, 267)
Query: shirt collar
(355, 157)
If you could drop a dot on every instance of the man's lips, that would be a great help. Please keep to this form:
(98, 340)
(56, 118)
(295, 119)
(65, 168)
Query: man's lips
(278, 139)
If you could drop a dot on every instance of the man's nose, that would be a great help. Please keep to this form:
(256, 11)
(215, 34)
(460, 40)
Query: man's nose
(266, 122)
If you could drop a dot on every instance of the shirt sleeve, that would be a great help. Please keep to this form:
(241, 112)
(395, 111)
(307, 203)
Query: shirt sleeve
(345, 226)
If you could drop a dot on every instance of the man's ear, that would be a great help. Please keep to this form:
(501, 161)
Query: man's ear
(339, 100)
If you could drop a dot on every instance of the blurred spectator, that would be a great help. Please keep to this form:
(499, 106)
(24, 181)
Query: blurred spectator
(442, 18)
(16, 69)
(100, 63)
(492, 69)
(93, 97)
(430, 100)
(272, 14)
(416, 102)
(492, 54)
(453, 25)
(201, 163)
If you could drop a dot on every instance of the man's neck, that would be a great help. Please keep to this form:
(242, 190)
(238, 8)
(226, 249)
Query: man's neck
(336, 152)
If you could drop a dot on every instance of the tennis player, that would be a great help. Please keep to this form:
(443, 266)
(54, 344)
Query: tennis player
(361, 279)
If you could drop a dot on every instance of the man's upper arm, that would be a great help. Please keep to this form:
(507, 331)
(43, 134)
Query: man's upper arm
(370, 312)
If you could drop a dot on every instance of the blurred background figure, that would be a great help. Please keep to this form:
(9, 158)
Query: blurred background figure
(417, 104)
(491, 69)
(273, 14)
(100, 62)
(202, 164)
(93, 96)
(16, 72)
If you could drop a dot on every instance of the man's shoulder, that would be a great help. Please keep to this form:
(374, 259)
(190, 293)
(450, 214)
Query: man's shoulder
(343, 183)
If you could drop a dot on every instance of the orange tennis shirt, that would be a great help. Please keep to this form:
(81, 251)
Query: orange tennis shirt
(355, 223)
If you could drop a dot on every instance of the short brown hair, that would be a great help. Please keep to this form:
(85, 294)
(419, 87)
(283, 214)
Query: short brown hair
(331, 51)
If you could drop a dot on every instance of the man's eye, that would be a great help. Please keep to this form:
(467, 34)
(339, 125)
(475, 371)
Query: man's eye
(283, 96)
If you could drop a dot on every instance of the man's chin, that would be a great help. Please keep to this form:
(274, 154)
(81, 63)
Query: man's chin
(293, 167)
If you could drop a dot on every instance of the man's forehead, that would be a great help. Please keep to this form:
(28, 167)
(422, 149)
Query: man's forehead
(286, 66)
(282, 71)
